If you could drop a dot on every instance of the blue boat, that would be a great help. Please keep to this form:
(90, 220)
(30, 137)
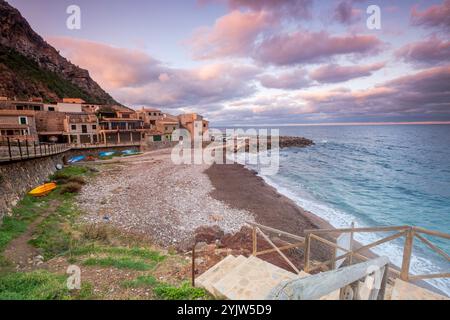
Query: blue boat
(129, 152)
(76, 159)
(106, 154)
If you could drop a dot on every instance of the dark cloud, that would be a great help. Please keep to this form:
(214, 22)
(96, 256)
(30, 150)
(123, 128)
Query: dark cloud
(436, 16)
(309, 47)
(333, 73)
(346, 13)
(428, 52)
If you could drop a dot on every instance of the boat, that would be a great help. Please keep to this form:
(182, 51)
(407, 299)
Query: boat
(130, 152)
(106, 154)
(43, 190)
(76, 159)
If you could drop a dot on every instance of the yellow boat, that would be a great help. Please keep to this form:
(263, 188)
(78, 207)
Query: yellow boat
(43, 190)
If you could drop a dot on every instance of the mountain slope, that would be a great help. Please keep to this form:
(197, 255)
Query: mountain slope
(29, 66)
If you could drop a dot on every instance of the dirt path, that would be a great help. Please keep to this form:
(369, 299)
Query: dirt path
(23, 255)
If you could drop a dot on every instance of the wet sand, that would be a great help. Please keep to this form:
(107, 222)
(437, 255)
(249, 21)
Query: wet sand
(242, 189)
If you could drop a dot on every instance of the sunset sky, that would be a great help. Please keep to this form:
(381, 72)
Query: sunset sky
(261, 61)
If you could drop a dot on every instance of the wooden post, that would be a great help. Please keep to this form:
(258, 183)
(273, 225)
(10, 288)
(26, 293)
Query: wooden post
(352, 236)
(20, 148)
(9, 148)
(193, 264)
(307, 251)
(407, 252)
(28, 151)
(255, 243)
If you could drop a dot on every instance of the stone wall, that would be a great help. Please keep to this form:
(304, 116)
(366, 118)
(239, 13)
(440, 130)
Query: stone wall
(17, 178)
(157, 145)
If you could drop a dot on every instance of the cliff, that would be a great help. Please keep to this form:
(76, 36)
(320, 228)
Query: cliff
(30, 67)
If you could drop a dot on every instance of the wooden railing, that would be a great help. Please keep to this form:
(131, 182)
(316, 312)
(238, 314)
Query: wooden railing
(347, 280)
(352, 254)
(409, 233)
(16, 150)
(257, 229)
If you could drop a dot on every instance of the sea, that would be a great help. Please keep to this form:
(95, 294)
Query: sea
(381, 175)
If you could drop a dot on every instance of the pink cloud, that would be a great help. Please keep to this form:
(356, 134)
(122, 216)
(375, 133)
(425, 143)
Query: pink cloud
(232, 35)
(287, 8)
(333, 73)
(135, 78)
(430, 51)
(291, 80)
(434, 16)
(113, 67)
(308, 47)
(423, 93)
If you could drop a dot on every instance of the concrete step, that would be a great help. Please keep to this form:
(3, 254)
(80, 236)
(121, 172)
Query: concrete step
(252, 279)
(220, 270)
(407, 291)
(199, 281)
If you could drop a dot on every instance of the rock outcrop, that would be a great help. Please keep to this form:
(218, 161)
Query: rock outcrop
(23, 53)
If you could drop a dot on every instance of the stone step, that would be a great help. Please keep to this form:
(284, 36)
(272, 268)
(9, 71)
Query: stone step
(407, 291)
(252, 279)
(221, 270)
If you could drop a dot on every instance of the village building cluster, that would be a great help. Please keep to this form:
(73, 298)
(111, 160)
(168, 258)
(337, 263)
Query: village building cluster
(79, 123)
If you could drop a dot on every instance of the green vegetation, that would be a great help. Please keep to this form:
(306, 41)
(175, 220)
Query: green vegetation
(183, 292)
(40, 285)
(102, 246)
(23, 214)
(131, 252)
(141, 282)
(53, 236)
(166, 291)
(29, 72)
(120, 263)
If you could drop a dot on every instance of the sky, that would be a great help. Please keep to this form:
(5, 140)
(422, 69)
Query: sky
(261, 62)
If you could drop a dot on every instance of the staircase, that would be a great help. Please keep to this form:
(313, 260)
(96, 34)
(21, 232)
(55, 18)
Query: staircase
(241, 278)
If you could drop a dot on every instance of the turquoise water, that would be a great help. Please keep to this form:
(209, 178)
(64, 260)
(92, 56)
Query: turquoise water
(375, 176)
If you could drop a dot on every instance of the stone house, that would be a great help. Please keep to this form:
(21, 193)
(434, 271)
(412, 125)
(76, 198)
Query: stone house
(81, 128)
(18, 125)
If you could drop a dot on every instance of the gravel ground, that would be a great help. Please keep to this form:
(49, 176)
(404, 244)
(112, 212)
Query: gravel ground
(152, 196)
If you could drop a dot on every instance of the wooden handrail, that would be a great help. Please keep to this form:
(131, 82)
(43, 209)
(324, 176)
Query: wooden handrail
(366, 247)
(322, 284)
(279, 251)
(273, 230)
(408, 231)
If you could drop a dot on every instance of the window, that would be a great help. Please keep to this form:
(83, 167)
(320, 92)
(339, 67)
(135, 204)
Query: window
(51, 108)
(19, 107)
(166, 128)
(94, 127)
(74, 127)
(84, 128)
(37, 108)
(23, 120)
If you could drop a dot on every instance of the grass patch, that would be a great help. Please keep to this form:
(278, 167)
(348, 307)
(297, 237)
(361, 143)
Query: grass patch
(120, 263)
(40, 285)
(184, 292)
(26, 211)
(166, 291)
(140, 282)
(131, 252)
(54, 236)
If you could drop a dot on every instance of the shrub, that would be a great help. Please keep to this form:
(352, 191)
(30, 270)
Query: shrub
(71, 187)
(79, 180)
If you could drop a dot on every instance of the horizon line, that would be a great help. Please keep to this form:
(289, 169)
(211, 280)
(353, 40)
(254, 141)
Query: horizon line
(343, 124)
